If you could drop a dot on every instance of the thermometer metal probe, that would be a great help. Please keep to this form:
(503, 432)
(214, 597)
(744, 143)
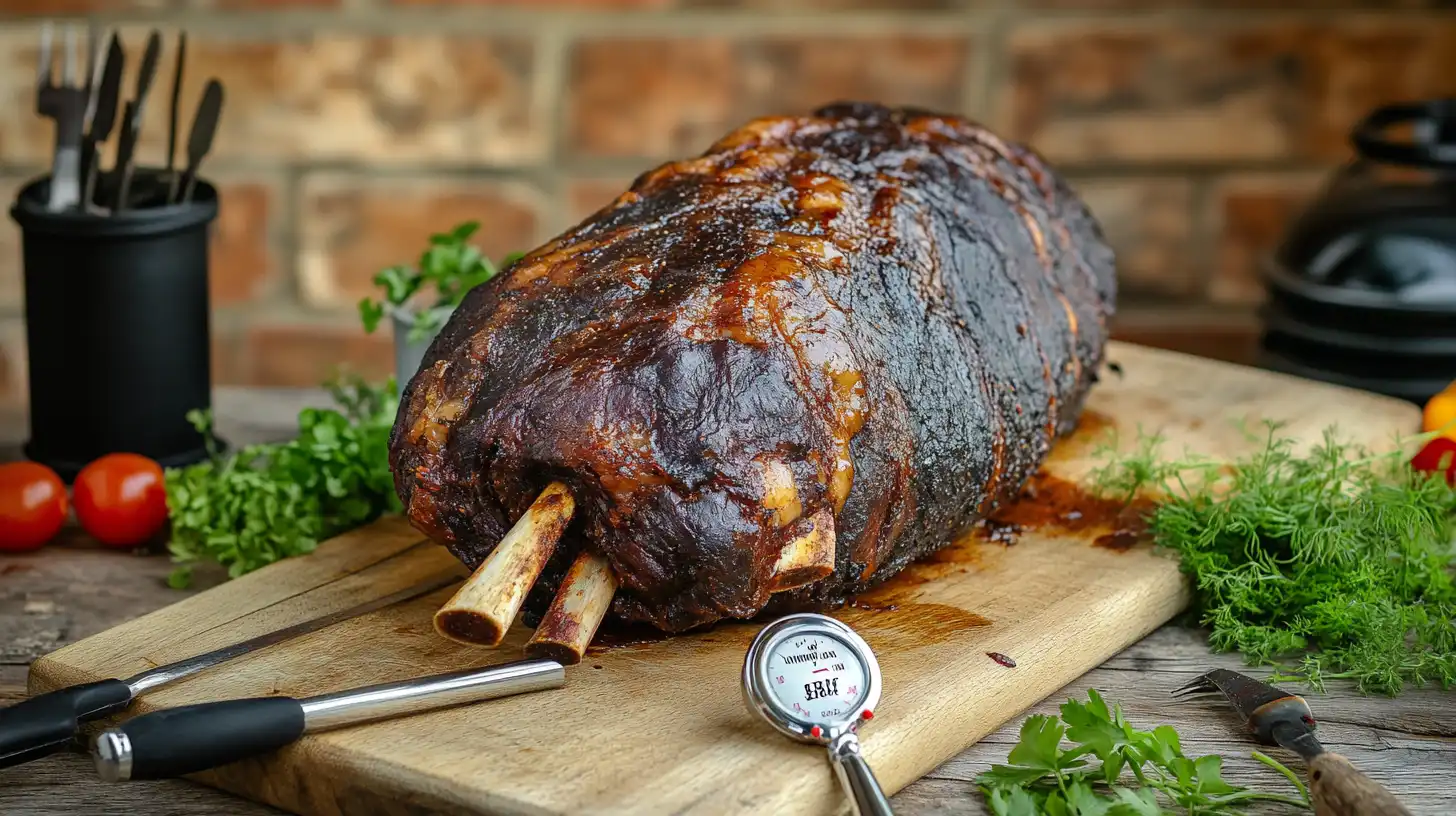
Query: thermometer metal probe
(815, 680)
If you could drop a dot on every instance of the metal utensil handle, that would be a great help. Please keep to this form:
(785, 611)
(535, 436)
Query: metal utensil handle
(409, 696)
(865, 795)
(180, 741)
(66, 176)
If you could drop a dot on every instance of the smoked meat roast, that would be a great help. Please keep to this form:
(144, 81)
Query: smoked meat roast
(873, 318)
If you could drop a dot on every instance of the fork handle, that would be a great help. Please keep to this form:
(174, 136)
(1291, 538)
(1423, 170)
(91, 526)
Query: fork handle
(1338, 788)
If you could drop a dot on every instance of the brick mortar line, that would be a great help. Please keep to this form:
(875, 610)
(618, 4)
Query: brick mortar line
(286, 244)
(241, 25)
(1203, 240)
(238, 319)
(516, 22)
(550, 92)
(444, 171)
(229, 322)
(989, 65)
(1193, 15)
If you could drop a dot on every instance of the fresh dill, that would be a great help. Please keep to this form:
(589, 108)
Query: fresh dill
(1331, 563)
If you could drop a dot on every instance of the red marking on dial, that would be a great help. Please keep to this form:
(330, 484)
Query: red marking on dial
(816, 671)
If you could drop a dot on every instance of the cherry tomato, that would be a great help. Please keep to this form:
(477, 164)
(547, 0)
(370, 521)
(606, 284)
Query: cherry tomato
(121, 499)
(32, 505)
(1438, 455)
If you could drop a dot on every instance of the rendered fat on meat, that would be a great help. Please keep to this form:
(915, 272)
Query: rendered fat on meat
(878, 316)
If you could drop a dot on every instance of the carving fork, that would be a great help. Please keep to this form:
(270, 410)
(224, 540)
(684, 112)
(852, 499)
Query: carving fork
(1276, 717)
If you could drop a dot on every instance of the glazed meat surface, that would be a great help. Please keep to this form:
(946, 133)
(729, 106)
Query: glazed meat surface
(888, 314)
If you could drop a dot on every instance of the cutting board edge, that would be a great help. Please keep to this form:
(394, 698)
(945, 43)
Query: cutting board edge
(395, 526)
(1394, 403)
(345, 782)
(1172, 598)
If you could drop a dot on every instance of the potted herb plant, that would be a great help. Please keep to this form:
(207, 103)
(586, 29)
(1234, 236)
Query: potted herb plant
(452, 267)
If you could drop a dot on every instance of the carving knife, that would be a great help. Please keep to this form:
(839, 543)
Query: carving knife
(103, 116)
(179, 741)
(48, 723)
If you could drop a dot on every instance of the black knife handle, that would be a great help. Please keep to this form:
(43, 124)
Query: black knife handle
(180, 741)
(48, 722)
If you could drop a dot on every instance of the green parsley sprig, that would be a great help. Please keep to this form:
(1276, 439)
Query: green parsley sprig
(267, 502)
(1333, 563)
(1138, 773)
(450, 264)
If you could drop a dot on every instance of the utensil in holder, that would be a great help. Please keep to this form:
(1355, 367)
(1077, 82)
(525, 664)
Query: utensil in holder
(117, 325)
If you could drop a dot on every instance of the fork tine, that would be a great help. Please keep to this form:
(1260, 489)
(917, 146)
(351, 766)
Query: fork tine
(1198, 685)
(43, 70)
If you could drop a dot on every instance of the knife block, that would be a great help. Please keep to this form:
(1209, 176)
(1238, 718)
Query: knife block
(117, 327)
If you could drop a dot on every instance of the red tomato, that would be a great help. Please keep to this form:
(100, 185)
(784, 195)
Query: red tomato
(1439, 454)
(121, 499)
(32, 505)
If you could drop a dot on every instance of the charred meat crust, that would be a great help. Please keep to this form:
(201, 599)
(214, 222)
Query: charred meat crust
(890, 313)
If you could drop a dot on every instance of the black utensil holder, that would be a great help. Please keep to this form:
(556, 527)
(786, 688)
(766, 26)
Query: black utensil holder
(117, 326)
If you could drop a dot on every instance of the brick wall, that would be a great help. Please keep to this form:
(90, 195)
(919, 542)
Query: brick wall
(354, 128)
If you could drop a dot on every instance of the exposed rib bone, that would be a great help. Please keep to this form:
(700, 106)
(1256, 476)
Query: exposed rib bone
(482, 611)
(576, 612)
(807, 558)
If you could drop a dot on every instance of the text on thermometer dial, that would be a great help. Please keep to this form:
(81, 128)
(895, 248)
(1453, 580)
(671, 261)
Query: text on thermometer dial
(817, 676)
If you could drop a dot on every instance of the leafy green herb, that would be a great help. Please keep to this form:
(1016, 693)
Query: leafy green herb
(1042, 776)
(272, 501)
(1335, 563)
(450, 264)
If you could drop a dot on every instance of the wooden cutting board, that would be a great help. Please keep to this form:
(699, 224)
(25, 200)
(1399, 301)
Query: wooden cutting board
(660, 727)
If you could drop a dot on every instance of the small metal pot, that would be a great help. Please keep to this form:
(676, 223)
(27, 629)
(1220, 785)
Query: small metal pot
(408, 353)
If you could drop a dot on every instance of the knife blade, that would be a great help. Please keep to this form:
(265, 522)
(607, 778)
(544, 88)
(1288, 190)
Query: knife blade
(132, 123)
(199, 140)
(172, 116)
(47, 723)
(103, 116)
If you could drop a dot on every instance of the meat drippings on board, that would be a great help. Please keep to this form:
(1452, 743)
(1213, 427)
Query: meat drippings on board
(885, 315)
(1051, 503)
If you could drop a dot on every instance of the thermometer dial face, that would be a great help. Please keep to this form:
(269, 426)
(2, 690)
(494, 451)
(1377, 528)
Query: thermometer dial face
(811, 677)
(817, 677)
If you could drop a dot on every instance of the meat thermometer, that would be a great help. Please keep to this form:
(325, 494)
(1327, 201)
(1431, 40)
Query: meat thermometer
(815, 680)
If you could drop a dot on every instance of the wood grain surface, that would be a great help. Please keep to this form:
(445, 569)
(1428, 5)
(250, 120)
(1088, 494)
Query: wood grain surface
(1078, 615)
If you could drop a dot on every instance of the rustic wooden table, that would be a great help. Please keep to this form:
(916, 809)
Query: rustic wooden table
(72, 590)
